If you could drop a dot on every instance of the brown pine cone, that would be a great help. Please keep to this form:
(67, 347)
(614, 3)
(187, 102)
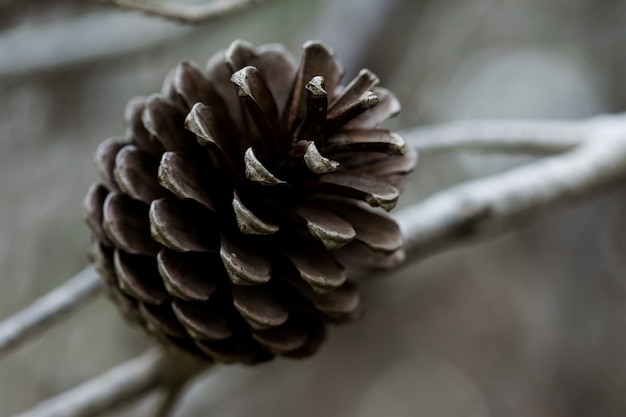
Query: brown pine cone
(228, 214)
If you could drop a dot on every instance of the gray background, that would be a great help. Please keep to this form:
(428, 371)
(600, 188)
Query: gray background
(528, 324)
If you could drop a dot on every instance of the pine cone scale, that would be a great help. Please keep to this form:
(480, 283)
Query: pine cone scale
(105, 160)
(257, 99)
(190, 84)
(161, 320)
(94, 211)
(233, 351)
(202, 121)
(332, 230)
(374, 191)
(203, 321)
(189, 276)
(164, 120)
(377, 232)
(284, 339)
(341, 116)
(135, 130)
(317, 60)
(248, 222)
(183, 226)
(135, 174)
(316, 266)
(259, 307)
(139, 277)
(276, 65)
(218, 73)
(126, 224)
(365, 140)
(180, 174)
(387, 107)
(244, 267)
(316, 110)
(365, 81)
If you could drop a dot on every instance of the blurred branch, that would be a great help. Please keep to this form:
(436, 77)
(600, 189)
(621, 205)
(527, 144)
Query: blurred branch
(48, 310)
(531, 137)
(49, 49)
(485, 206)
(170, 398)
(128, 381)
(187, 13)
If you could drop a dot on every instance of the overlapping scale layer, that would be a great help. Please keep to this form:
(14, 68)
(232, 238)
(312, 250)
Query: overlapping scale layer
(230, 213)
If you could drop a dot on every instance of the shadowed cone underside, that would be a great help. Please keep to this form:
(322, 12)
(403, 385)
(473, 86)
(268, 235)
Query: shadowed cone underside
(230, 213)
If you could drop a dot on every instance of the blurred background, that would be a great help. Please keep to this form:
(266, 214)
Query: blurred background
(532, 323)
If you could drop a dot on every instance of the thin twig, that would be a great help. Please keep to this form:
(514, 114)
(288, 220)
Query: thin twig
(187, 13)
(485, 206)
(531, 137)
(48, 310)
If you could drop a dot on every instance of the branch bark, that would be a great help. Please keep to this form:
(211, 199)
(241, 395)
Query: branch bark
(48, 310)
(187, 13)
(486, 206)
(529, 137)
(122, 384)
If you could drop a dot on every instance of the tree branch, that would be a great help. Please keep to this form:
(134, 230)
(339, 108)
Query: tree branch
(122, 384)
(486, 206)
(48, 310)
(127, 381)
(187, 13)
(530, 137)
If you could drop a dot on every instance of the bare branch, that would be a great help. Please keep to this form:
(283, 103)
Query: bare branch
(530, 137)
(126, 382)
(497, 203)
(48, 49)
(48, 310)
(187, 13)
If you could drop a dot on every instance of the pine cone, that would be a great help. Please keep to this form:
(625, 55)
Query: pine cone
(229, 213)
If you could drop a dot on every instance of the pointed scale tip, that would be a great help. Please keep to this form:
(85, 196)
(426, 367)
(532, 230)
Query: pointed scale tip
(256, 171)
(317, 163)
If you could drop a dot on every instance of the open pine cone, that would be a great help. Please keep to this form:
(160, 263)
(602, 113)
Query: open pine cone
(229, 213)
